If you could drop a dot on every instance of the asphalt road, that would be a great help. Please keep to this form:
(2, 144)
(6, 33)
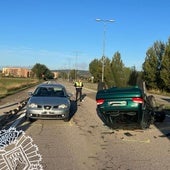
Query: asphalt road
(85, 143)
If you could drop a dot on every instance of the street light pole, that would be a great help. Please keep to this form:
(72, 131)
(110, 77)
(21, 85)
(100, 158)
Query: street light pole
(75, 74)
(104, 39)
(76, 63)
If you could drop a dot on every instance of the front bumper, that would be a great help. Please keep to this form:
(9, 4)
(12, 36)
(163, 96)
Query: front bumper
(48, 114)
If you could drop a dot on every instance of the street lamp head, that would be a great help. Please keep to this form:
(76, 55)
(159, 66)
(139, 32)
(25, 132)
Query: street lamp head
(111, 20)
(105, 20)
(98, 19)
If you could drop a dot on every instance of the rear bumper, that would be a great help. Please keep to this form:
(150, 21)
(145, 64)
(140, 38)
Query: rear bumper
(136, 114)
(118, 111)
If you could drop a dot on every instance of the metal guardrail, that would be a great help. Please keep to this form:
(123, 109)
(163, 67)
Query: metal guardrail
(9, 110)
(8, 105)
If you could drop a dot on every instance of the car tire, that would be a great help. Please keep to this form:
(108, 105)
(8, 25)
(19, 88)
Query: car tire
(108, 120)
(28, 119)
(67, 119)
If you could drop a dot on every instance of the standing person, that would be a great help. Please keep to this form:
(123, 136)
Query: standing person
(78, 85)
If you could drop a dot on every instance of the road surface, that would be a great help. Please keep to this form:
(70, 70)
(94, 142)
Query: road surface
(84, 143)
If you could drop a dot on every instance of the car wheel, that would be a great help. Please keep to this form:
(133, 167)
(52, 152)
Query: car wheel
(67, 119)
(108, 120)
(27, 118)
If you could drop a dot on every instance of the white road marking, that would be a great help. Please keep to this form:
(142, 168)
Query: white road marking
(140, 141)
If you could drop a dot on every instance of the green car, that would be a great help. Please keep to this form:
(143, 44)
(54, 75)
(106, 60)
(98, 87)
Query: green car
(124, 106)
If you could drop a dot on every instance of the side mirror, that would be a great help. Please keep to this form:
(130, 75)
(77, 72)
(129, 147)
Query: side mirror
(69, 95)
(30, 94)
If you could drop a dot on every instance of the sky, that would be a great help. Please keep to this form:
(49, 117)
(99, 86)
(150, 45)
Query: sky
(64, 34)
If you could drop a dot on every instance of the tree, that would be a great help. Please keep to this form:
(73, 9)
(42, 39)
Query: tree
(48, 75)
(95, 68)
(135, 78)
(150, 69)
(117, 69)
(160, 51)
(108, 76)
(115, 73)
(40, 71)
(165, 68)
(63, 75)
(152, 65)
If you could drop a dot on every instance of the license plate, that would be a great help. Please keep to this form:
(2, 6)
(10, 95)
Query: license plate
(118, 103)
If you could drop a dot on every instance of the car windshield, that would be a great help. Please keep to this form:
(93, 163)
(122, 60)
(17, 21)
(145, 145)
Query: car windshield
(49, 92)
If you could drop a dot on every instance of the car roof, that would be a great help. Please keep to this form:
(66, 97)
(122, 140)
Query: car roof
(51, 85)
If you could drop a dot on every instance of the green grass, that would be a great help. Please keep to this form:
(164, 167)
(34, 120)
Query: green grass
(92, 86)
(164, 93)
(11, 85)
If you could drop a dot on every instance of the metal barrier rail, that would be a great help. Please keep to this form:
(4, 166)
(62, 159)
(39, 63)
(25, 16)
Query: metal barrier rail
(6, 116)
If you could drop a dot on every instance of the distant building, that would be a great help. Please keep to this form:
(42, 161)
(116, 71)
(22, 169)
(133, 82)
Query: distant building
(16, 72)
(56, 74)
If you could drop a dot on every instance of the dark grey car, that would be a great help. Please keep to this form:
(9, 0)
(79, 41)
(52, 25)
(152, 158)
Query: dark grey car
(49, 101)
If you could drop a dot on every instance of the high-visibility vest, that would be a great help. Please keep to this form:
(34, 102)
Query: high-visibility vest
(79, 84)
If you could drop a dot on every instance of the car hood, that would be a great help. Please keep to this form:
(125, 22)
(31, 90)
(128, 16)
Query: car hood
(49, 100)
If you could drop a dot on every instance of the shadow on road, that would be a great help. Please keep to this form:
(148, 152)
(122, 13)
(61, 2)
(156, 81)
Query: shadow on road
(164, 127)
(73, 108)
(166, 99)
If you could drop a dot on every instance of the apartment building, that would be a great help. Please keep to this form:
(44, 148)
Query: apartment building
(56, 74)
(16, 72)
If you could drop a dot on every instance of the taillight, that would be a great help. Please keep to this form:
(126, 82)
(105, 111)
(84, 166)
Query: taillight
(100, 101)
(137, 99)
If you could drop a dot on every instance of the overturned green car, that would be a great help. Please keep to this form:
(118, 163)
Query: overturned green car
(127, 106)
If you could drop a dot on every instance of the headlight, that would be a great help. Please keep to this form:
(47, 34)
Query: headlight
(62, 106)
(32, 105)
